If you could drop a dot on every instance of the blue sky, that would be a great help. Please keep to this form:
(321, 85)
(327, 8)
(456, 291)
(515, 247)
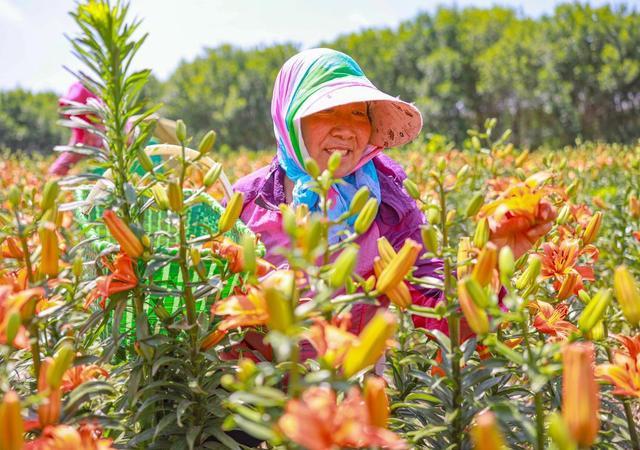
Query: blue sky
(33, 47)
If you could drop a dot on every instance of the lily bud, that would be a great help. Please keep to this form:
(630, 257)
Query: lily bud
(49, 410)
(334, 162)
(522, 157)
(62, 360)
(181, 130)
(249, 253)
(144, 160)
(14, 196)
(312, 167)
(212, 175)
(476, 317)
(482, 233)
(278, 289)
(429, 238)
(568, 286)
(50, 256)
(399, 266)
(385, 250)
(231, 212)
(160, 196)
(50, 193)
(359, 200)
(129, 242)
(474, 205)
(313, 236)
(212, 339)
(530, 274)
(207, 142)
(450, 216)
(11, 423)
(486, 434)
(594, 311)
(433, 215)
(77, 266)
(563, 215)
(591, 231)
(411, 188)
(366, 217)
(375, 398)
(598, 332)
(628, 294)
(371, 343)
(464, 257)
(506, 264)
(572, 188)
(559, 433)
(12, 324)
(176, 199)
(580, 395)
(343, 266)
(463, 172)
(477, 293)
(487, 261)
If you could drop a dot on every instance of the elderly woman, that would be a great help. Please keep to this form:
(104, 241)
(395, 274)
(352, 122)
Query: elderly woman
(323, 104)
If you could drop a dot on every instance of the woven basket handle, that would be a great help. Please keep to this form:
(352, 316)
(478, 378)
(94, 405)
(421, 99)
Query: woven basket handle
(167, 150)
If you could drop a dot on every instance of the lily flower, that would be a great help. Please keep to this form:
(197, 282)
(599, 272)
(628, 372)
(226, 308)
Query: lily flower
(560, 262)
(550, 320)
(624, 371)
(242, 310)
(122, 278)
(317, 422)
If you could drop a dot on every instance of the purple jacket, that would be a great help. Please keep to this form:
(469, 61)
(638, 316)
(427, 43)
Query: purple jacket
(398, 219)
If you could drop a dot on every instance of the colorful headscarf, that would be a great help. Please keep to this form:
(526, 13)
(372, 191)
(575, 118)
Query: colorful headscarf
(306, 77)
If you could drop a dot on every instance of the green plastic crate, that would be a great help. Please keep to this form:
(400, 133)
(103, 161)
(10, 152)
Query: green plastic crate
(200, 217)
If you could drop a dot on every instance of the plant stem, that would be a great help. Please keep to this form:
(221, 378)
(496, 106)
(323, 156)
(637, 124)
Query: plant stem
(454, 324)
(537, 397)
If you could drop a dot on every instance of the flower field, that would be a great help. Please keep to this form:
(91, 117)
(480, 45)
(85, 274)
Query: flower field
(534, 342)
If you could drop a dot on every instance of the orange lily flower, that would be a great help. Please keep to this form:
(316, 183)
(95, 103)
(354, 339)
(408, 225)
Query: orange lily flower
(122, 278)
(560, 262)
(331, 341)
(624, 371)
(550, 320)
(65, 437)
(233, 253)
(21, 305)
(315, 421)
(77, 375)
(11, 248)
(520, 214)
(242, 310)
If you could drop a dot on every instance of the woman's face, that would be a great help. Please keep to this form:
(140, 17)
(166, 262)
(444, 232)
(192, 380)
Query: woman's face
(344, 129)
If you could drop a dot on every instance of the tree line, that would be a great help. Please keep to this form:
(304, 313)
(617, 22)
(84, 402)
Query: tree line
(572, 73)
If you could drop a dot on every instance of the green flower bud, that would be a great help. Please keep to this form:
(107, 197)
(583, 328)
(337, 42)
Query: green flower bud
(429, 238)
(506, 264)
(176, 201)
(474, 205)
(49, 195)
(212, 175)
(334, 162)
(366, 217)
(13, 322)
(530, 274)
(412, 189)
(249, 253)
(477, 293)
(15, 195)
(312, 167)
(207, 142)
(160, 196)
(482, 233)
(181, 130)
(144, 160)
(594, 311)
(358, 201)
(343, 266)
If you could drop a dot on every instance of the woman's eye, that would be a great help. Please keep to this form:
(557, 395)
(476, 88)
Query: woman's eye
(359, 113)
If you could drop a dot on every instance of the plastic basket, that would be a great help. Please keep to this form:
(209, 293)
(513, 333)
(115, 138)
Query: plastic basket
(202, 217)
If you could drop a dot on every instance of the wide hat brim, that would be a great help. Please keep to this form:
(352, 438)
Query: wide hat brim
(393, 122)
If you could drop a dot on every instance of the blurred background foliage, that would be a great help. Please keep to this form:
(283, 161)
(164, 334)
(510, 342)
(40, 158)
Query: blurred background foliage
(572, 74)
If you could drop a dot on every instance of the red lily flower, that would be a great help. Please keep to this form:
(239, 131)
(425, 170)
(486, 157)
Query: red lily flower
(122, 278)
(624, 371)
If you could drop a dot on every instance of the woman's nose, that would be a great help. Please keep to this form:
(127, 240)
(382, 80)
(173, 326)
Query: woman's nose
(343, 131)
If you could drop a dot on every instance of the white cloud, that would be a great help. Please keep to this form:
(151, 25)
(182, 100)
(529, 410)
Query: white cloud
(9, 12)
